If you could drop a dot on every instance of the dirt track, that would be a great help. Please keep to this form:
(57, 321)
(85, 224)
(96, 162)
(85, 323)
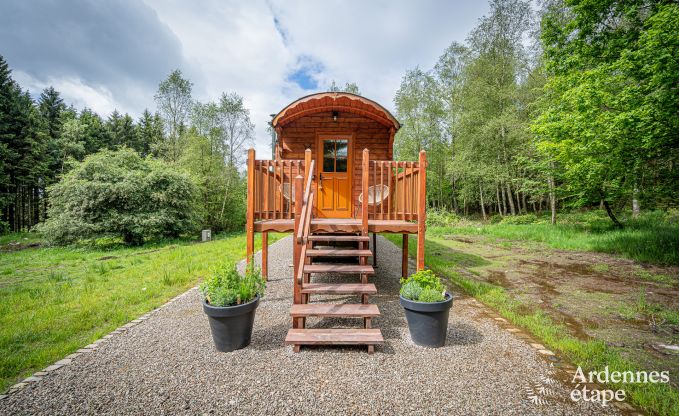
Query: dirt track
(595, 295)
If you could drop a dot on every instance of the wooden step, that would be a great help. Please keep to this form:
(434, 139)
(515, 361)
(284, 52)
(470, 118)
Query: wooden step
(330, 237)
(334, 336)
(338, 253)
(340, 288)
(338, 268)
(352, 310)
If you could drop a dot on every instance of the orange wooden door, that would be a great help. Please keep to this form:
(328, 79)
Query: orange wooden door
(334, 177)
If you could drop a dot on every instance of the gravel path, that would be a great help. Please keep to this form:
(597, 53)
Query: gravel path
(167, 365)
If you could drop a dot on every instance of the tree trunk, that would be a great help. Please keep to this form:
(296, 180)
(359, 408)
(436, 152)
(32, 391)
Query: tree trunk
(552, 198)
(454, 198)
(483, 209)
(635, 201)
(497, 199)
(510, 199)
(611, 215)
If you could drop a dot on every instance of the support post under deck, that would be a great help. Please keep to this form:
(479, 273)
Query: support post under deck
(421, 209)
(250, 213)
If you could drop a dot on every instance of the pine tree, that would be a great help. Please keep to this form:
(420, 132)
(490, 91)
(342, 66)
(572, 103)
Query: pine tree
(149, 133)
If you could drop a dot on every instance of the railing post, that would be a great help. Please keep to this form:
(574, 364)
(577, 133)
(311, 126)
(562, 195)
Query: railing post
(250, 213)
(307, 164)
(421, 209)
(297, 246)
(364, 189)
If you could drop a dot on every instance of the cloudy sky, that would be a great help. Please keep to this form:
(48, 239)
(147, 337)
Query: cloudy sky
(112, 54)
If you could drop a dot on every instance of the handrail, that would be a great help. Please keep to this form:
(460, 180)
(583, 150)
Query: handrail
(305, 218)
(305, 226)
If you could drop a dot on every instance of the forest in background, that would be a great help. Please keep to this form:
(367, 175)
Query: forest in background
(43, 140)
(572, 105)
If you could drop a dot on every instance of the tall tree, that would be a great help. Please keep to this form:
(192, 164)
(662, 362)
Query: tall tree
(419, 107)
(609, 113)
(149, 133)
(350, 87)
(236, 128)
(173, 99)
(121, 131)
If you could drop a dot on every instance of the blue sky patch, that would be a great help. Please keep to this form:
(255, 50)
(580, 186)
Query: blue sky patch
(305, 73)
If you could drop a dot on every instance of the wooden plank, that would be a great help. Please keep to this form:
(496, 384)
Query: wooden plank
(339, 288)
(338, 253)
(402, 191)
(339, 268)
(351, 310)
(364, 189)
(391, 190)
(374, 185)
(279, 226)
(334, 336)
(276, 191)
(328, 238)
(289, 213)
(394, 226)
(266, 189)
(381, 190)
(296, 244)
(307, 164)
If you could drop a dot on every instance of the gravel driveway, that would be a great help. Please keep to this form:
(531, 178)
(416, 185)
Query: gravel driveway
(167, 365)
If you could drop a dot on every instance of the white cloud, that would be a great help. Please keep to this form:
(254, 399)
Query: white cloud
(251, 48)
(74, 92)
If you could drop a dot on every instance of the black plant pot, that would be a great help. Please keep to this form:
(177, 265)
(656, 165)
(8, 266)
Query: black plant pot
(428, 321)
(231, 326)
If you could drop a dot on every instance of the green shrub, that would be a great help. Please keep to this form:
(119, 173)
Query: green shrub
(411, 290)
(519, 219)
(431, 295)
(441, 218)
(119, 194)
(423, 286)
(496, 219)
(227, 287)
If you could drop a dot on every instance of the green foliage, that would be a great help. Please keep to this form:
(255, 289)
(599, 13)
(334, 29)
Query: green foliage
(520, 219)
(608, 113)
(174, 104)
(411, 290)
(117, 193)
(423, 286)
(227, 287)
(441, 218)
(431, 295)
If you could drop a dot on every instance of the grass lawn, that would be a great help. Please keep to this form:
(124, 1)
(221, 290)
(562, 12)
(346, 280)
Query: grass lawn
(54, 300)
(652, 238)
(591, 354)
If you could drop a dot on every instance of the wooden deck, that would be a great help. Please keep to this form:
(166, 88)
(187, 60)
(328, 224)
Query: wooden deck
(341, 225)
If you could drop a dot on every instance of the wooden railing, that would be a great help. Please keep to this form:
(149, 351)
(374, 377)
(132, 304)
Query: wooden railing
(273, 188)
(304, 208)
(394, 189)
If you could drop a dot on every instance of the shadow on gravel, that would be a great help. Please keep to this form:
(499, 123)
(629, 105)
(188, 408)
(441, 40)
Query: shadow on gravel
(463, 334)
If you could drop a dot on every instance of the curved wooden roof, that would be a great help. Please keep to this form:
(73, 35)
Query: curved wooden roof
(335, 101)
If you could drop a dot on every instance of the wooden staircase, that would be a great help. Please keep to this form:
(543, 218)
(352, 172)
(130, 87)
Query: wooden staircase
(365, 335)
